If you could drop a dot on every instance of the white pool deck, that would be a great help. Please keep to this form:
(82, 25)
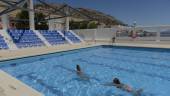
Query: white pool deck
(9, 86)
(25, 52)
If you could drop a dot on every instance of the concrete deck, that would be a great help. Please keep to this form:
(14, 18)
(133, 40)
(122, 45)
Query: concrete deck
(167, 46)
(12, 54)
(9, 86)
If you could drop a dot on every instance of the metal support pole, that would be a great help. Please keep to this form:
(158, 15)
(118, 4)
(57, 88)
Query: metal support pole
(5, 22)
(67, 19)
(31, 15)
(158, 36)
(95, 33)
(51, 24)
(67, 24)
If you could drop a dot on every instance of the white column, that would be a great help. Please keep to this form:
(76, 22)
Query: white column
(158, 36)
(95, 33)
(67, 28)
(50, 24)
(31, 15)
(7, 38)
(5, 21)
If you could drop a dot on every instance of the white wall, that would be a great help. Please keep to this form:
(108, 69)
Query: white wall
(96, 34)
(56, 24)
(107, 33)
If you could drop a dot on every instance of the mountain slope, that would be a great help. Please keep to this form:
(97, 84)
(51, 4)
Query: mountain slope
(95, 15)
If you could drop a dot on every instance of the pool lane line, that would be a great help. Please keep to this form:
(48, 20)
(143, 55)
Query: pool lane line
(124, 69)
(41, 58)
(73, 71)
(41, 82)
(137, 48)
(135, 62)
(122, 54)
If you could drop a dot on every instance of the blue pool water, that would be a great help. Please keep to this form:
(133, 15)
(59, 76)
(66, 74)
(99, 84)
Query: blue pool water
(54, 74)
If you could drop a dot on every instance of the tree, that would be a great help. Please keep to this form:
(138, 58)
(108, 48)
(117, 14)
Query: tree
(83, 25)
(74, 25)
(22, 20)
(92, 25)
(41, 23)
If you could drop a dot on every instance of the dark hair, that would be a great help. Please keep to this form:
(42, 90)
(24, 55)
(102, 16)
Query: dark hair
(116, 81)
(78, 68)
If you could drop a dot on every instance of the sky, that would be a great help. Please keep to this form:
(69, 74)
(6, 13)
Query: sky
(144, 12)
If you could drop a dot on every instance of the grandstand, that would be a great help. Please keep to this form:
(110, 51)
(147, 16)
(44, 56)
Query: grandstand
(25, 38)
(53, 37)
(72, 37)
(30, 37)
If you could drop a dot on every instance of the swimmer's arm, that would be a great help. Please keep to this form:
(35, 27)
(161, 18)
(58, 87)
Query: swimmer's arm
(111, 84)
(107, 84)
(118, 85)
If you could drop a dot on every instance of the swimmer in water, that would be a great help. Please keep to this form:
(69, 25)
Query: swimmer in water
(118, 84)
(81, 74)
(78, 69)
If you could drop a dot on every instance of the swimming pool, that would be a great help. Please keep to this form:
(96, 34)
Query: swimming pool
(54, 74)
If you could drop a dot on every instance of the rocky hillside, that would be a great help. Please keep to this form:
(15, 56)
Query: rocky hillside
(101, 17)
(95, 15)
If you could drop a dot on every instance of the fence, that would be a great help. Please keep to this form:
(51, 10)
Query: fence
(158, 33)
(102, 34)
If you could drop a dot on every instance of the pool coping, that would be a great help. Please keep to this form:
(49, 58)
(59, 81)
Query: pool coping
(140, 46)
(10, 86)
(48, 53)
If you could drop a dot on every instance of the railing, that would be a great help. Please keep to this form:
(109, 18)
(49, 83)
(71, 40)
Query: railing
(96, 34)
(158, 34)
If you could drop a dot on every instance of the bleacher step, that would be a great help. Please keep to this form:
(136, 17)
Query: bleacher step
(65, 37)
(42, 38)
(8, 40)
(77, 36)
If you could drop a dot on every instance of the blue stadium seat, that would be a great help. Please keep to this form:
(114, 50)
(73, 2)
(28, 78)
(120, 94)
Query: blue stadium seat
(3, 44)
(72, 37)
(25, 38)
(53, 37)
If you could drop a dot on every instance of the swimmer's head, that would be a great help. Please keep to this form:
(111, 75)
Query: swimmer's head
(78, 68)
(116, 81)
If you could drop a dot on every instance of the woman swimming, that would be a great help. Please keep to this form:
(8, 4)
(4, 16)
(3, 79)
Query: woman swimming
(78, 69)
(118, 84)
(81, 74)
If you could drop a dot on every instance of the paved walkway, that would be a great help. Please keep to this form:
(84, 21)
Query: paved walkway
(12, 54)
(9, 86)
